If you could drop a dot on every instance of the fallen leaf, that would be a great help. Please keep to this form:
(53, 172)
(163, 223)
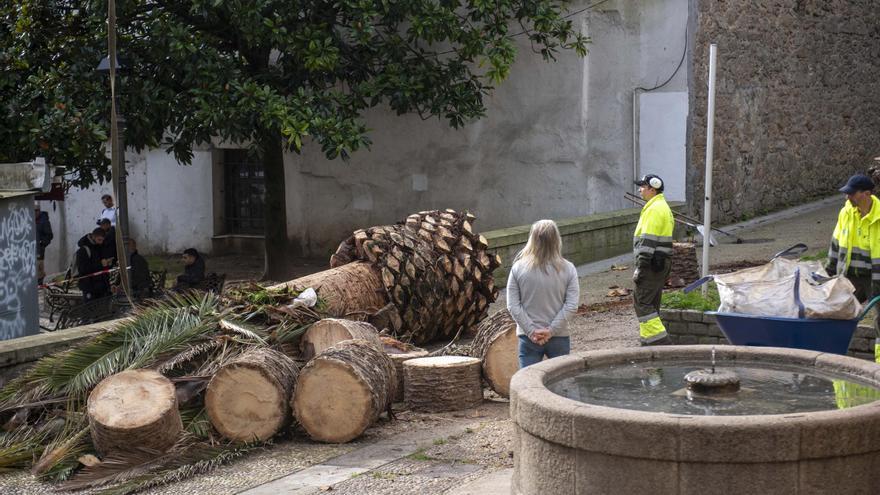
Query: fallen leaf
(618, 292)
(89, 460)
(326, 488)
(618, 268)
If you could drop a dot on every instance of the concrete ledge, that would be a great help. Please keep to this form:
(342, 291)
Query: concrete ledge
(584, 239)
(17, 354)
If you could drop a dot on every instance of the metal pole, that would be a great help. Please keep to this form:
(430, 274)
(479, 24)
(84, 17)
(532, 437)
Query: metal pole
(710, 133)
(117, 157)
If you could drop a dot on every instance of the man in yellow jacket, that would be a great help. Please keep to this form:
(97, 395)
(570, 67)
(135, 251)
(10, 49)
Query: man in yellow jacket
(652, 248)
(855, 243)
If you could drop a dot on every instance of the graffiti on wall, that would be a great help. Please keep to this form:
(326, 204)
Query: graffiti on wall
(17, 267)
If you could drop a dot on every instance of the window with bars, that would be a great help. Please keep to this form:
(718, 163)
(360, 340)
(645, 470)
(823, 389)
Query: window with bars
(245, 193)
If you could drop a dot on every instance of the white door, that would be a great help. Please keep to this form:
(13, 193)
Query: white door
(662, 134)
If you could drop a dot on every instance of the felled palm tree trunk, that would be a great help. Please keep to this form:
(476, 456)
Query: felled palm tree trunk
(424, 279)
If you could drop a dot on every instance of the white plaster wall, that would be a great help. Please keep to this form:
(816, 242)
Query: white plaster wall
(556, 141)
(170, 208)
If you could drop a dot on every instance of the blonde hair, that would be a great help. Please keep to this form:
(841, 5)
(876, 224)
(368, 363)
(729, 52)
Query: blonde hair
(544, 247)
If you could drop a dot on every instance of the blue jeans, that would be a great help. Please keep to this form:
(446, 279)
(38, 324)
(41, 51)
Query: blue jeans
(531, 353)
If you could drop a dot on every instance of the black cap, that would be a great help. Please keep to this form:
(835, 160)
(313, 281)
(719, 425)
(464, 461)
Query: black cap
(858, 183)
(192, 252)
(650, 180)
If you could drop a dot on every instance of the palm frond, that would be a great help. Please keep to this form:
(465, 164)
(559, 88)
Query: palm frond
(195, 421)
(19, 447)
(180, 359)
(140, 468)
(60, 456)
(249, 332)
(157, 331)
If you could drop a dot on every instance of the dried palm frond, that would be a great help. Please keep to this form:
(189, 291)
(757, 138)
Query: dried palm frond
(19, 447)
(59, 458)
(139, 468)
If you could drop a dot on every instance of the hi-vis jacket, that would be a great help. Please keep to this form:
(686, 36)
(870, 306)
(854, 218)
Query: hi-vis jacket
(855, 245)
(653, 232)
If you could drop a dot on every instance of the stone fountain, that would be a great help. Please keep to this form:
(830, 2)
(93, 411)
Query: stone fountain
(667, 420)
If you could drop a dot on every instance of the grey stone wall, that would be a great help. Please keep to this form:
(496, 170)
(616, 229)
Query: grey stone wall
(797, 107)
(687, 327)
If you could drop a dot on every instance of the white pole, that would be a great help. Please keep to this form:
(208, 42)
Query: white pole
(710, 133)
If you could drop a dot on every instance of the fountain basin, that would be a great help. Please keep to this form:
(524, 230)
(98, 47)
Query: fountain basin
(563, 446)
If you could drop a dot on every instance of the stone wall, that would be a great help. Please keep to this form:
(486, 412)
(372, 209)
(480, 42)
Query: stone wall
(796, 100)
(687, 327)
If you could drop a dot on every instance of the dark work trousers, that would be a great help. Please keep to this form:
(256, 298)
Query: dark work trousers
(646, 298)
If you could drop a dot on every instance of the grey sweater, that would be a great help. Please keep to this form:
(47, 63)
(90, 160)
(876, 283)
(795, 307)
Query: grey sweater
(542, 300)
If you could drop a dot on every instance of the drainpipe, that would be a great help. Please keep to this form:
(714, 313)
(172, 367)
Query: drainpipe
(635, 132)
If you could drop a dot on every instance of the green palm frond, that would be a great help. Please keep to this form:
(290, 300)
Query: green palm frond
(161, 330)
(195, 421)
(19, 447)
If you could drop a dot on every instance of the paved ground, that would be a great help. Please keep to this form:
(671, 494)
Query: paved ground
(466, 452)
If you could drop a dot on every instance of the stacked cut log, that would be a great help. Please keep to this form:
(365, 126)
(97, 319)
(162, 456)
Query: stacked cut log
(442, 383)
(249, 398)
(496, 347)
(134, 408)
(330, 331)
(684, 265)
(400, 352)
(342, 391)
(434, 270)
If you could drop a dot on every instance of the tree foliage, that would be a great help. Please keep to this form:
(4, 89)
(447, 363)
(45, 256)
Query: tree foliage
(247, 70)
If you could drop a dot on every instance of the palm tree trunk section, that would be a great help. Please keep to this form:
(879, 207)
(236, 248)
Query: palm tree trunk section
(496, 346)
(134, 408)
(249, 398)
(350, 291)
(330, 331)
(432, 269)
(399, 353)
(442, 383)
(342, 391)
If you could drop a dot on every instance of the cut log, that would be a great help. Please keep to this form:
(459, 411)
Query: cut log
(442, 383)
(346, 289)
(134, 407)
(249, 398)
(342, 391)
(400, 352)
(496, 346)
(330, 331)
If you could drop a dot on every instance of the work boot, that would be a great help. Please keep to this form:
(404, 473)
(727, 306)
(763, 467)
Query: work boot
(664, 341)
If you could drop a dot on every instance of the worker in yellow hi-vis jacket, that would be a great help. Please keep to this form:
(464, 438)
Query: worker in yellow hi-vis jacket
(652, 247)
(855, 243)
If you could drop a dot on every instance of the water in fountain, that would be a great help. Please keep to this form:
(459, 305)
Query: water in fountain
(764, 389)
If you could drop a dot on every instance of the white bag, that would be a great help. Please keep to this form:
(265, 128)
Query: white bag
(787, 288)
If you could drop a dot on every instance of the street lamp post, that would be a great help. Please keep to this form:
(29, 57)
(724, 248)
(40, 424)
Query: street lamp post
(120, 181)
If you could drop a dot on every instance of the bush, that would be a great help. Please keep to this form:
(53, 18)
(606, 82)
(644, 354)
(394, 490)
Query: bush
(694, 300)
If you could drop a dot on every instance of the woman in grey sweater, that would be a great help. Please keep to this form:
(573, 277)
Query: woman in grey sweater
(542, 295)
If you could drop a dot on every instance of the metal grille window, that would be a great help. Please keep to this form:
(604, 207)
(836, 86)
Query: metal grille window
(245, 193)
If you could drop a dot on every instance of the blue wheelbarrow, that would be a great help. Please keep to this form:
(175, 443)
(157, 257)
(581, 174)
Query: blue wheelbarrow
(800, 333)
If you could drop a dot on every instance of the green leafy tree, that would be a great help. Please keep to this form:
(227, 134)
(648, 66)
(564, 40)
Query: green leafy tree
(274, 75)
